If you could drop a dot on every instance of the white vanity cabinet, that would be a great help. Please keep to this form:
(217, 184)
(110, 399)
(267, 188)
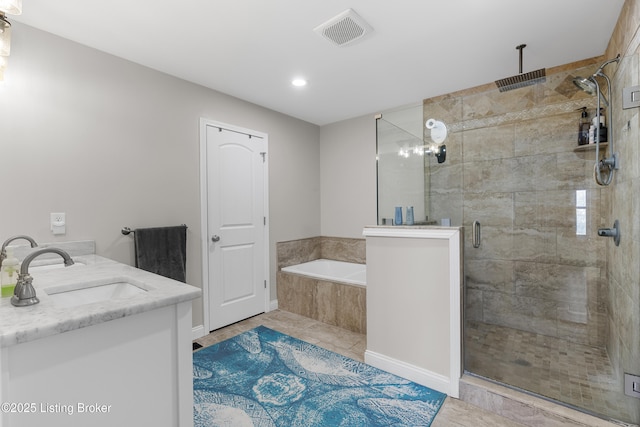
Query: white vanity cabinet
(115, 363)
(414, 304)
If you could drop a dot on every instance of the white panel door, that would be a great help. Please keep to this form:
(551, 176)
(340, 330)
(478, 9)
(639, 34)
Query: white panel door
(236, 225)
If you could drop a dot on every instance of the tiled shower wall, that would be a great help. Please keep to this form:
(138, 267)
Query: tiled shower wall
(511, 165)
(623, 341)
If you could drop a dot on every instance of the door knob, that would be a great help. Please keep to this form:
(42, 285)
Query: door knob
(215, 238)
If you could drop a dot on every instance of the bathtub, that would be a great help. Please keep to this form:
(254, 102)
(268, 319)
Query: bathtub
(332, 292)
(332, 271)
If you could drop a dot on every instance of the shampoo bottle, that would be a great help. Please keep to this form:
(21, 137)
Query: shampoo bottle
(9, 274)
(398, 215)
(583, 127)
(409, 218)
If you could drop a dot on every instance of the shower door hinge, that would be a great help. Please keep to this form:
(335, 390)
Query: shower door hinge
(264, 156)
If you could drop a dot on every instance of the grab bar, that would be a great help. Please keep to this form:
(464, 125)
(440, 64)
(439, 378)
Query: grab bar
(476, 234)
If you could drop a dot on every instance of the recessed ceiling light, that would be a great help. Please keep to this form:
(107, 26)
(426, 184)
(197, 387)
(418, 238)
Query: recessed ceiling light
(299, 82)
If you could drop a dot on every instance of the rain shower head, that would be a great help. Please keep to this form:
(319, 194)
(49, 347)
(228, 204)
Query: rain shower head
(522, 79)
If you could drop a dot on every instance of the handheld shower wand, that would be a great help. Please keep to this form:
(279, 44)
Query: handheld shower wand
(592, 87)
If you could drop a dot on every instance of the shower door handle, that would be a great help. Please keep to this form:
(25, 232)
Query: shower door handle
(476, 234)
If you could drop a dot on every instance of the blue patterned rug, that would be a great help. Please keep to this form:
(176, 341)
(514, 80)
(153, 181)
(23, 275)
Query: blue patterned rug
(265, 378)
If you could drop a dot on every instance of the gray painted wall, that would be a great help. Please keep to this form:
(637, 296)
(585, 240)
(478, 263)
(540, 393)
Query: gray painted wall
(113, 144)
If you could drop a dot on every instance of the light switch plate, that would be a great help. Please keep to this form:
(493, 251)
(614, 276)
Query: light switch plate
(630, 97)
(58, 223)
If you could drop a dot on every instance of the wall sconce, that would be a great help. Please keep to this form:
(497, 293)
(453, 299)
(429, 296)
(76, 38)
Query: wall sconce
(10, 7)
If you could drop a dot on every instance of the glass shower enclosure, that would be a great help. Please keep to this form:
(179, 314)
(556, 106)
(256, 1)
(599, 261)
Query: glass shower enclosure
(403, 177)
(551, 308)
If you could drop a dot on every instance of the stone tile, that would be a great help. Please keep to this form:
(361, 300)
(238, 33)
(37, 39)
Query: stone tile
(578, 250)
(575, 170)
(446, 178)
(492, 274)
(534, 244)
(555, 209)
(557, 368)
(473, 304)
(489, 209)
(547, 135)
(488, 143)
(343, 249)
(446, 205)
(460, 413)
(497, 243)
(296, 294)
(563, 283)
(447, 109)
(351, 308)
(333, 303)
(297, 251)
(325, 302)
(514, 174)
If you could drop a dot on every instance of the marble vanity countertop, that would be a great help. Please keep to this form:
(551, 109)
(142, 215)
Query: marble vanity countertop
(23, 324)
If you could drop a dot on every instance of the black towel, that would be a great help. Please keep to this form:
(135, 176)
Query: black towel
(162, 250)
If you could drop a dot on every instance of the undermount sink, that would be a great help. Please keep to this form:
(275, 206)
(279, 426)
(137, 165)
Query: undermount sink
(88, 293)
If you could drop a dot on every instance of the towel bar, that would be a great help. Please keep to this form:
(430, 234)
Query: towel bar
(126, 230)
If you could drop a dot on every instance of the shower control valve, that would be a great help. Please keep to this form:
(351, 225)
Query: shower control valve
(611, 232)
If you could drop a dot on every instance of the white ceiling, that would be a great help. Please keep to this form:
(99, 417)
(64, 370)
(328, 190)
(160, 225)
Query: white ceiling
(251, 49)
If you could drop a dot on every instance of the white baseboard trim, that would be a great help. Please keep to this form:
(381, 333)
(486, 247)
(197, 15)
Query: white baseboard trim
(413, 373)
(198, 332)
(273, 305)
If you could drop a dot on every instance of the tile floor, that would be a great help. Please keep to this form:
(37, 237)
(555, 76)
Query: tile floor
(576, 374)
(454, 412)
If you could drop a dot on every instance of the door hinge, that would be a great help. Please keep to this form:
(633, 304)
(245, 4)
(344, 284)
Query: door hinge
(264, 156)
(265, 283)
(264, 220)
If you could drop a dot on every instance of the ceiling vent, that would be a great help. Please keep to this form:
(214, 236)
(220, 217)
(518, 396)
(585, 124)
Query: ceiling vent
(344, 29)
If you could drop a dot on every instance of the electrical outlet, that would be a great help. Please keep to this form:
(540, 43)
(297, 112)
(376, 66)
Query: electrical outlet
(58, 223)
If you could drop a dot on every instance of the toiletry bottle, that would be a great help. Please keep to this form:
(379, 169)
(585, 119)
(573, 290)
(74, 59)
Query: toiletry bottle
(583, 127)
(9, 274)
(600, 126)
(603, 127)
(398, 215)
(603, 123)
(409, 217)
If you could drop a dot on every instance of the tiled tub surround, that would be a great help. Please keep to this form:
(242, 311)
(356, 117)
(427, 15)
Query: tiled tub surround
(335, 303)
(511, 165)
(338, 248)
